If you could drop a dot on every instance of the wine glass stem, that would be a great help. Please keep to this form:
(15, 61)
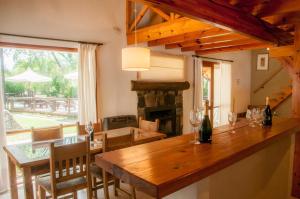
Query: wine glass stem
(195, 134)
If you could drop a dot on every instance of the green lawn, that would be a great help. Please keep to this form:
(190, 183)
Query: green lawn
(27, 121)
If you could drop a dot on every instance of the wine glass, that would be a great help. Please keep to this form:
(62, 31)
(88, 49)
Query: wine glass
(232, 118)
(252, 117)
(195, 120)
(89, 129)
(260, 116)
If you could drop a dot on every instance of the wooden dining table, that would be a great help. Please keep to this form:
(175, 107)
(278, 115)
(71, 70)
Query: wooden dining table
(33, 158)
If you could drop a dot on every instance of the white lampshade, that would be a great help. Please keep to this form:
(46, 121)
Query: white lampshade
(135, 59)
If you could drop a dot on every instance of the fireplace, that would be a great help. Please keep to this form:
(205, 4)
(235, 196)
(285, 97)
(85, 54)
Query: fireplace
(166, 116)
(163, 101)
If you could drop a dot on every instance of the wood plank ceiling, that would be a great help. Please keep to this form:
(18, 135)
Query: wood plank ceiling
(249, 24)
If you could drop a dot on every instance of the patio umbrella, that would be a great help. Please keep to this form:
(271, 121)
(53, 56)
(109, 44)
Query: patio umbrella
(72, 76)
(28, 76)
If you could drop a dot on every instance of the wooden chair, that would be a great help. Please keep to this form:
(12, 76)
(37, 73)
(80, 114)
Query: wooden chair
(148, 125)
(110, 144)
(43, 134)
(68, 171)
(81, 128)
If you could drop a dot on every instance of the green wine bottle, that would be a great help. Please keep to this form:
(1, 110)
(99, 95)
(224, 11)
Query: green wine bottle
(267, 118)
(206, 130)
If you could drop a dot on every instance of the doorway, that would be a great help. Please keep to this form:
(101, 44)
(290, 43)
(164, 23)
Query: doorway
(216, 81)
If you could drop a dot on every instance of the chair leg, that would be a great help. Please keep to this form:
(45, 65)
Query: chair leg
(75, 194)
(42, 192)
(132, 192)
(36, 189)
(105, 185)
(94, 184)
(116, 185)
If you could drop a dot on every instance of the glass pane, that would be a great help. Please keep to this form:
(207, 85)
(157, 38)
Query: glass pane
(40, 90)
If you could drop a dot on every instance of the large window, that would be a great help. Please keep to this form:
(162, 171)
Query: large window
(40, 90)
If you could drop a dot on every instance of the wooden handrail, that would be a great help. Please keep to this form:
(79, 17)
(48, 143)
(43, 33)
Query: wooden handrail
(14, 132)
(262, 85)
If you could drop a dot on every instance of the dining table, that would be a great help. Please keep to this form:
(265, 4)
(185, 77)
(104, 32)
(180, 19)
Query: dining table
(34, 158)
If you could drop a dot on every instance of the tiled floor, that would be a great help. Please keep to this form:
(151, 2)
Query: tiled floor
(82, 194)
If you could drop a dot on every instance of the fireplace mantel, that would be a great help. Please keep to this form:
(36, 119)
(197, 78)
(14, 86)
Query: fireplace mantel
(148, 85)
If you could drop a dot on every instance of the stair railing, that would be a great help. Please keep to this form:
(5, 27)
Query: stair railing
(262, 85)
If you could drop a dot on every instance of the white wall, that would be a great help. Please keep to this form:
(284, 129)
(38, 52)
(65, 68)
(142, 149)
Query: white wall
(104, 21)
(89, 20)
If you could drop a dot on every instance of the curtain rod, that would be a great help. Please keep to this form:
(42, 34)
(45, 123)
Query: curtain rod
(227, 60)
(53, 39)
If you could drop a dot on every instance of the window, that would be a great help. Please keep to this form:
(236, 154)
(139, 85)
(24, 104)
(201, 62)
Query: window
(40, 90)
(165, 67)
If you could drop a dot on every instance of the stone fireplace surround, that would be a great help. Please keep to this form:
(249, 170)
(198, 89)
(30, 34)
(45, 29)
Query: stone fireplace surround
(163, 101)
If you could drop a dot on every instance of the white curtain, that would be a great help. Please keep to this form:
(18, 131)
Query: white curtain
(225, 91)
(87, 84)
(3, 158)
(197, 93)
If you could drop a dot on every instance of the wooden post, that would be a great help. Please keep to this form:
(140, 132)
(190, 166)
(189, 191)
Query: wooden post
(296, 76)
(296, 112)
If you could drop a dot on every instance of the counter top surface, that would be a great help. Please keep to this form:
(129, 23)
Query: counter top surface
(163, 167)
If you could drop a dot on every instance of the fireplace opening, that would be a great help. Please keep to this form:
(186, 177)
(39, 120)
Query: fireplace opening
(166, 116)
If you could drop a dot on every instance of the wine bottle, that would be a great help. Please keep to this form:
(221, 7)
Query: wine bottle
(206, 130)
(267, 118)
(91, 132)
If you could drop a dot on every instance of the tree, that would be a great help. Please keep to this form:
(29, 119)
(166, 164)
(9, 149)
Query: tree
(49, 63)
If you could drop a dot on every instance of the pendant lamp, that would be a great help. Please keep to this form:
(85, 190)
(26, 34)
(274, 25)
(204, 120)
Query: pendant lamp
(135, 58)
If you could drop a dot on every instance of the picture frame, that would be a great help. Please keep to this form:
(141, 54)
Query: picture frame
(262, 62)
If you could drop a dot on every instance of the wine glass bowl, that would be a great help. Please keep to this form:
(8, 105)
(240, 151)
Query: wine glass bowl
(232, 118)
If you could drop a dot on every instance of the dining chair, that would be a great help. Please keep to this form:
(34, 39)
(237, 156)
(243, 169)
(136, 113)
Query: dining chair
(44, 134)
(148, 125)
(68, 171)
(49, 133)
(81, 128)
(110, 144)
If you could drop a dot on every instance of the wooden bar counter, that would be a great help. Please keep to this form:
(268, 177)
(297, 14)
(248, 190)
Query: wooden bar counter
(167, 166)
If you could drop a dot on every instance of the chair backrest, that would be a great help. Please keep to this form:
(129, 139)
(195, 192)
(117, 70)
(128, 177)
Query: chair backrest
(81, 128)
(121, 121)
(148, 125)
(43, 134)
(117, 142)
(68, 162)
(97, 127)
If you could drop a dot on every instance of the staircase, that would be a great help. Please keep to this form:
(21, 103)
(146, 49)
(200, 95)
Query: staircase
(277, 98)
(278, 94)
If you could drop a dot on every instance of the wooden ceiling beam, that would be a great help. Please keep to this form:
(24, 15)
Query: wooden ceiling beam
(228, 16)
(160, 13)
(128, 14)
(138, 18)
(279, 7)
(167, 29)
(282, 51)
(282, 19)
(252, 46)
(188, 36)
(206, 40)
(219, 45)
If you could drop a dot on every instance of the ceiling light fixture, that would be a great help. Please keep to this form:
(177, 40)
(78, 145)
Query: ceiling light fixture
(135, 58)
